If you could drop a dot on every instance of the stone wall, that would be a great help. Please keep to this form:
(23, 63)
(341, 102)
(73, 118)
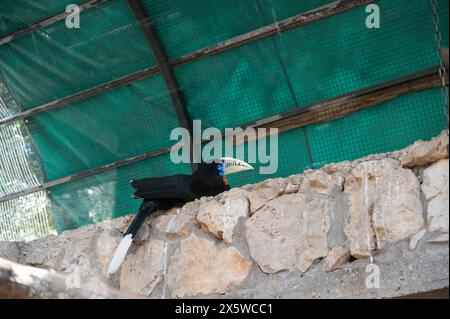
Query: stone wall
(323, 233)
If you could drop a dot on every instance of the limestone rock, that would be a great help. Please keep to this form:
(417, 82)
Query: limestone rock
(384, 205)
(293, 184)
(321, 183)
(286, 234)
(45, 252)
(291, 188)
(261, 193)
(176, 222)
(105, 247)
(435, 187)
(72, 252)
(79, 248)
(342, 167)
(10, 250)
(220, 217)
(336, 258)
(416, 238)
(424, 153)
(86, 250)
(198, 266)
(290, 232)
(121, 224)
(143, 270)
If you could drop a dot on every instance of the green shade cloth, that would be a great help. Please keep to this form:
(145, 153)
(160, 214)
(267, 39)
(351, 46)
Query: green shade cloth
(296, 68)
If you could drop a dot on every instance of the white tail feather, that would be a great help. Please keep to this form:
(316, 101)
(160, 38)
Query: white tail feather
(120, 254)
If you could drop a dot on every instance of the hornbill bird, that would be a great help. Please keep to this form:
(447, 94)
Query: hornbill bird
(162, 193)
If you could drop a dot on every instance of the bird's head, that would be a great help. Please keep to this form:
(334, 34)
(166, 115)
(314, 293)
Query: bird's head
(224, 166)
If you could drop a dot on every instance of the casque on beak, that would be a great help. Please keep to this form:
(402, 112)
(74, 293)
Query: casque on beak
(233, 165)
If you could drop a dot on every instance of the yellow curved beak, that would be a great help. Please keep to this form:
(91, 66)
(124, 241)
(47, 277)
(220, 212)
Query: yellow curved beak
(233, 165)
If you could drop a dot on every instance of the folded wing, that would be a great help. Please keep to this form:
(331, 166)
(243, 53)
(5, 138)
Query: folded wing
(176, 186)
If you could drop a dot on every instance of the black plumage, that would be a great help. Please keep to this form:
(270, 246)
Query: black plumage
(174, 191)
(161, 193)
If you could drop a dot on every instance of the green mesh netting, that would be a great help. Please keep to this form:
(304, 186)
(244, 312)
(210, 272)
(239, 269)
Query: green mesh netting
(54, 62)
(105, 195)
(113, 126)
(208, 22)
(19, 14)
(322, 60)
(296, 68)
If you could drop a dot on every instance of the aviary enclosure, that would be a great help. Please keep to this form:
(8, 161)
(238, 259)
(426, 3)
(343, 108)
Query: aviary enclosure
(84, 109)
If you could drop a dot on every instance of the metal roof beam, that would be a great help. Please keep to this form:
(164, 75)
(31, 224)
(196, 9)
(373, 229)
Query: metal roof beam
(299, 20)
(170, 79)
(316, 113)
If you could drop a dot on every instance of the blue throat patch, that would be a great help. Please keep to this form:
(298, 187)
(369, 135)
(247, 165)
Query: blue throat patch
(221, 169)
